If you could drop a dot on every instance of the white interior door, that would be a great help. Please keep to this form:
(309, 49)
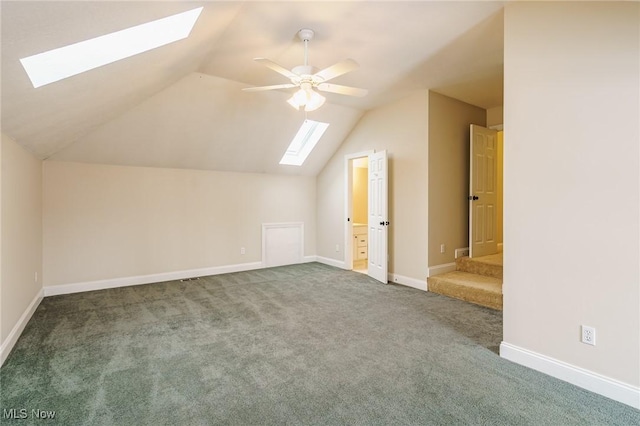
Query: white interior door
(378, 219)
(483, 210)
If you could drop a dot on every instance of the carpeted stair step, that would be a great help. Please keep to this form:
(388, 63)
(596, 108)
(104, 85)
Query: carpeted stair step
(486, 266)
(478, 289)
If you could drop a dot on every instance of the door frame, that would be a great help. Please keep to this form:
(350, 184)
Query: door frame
(348, 205)
(500, 129)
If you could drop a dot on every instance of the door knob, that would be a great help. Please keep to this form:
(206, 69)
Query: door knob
(473, 197)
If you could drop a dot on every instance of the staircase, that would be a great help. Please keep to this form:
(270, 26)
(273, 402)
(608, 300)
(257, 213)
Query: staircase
(477, 280)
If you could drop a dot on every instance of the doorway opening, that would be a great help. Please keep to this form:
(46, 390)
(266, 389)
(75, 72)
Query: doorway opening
(486, 191)
(356, 245)
(359, 214)
(477, 276)
(370, 246)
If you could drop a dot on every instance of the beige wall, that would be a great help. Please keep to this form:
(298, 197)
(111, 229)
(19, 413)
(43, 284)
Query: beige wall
(104, 222)
(401, 129)
(360, 194)
(217, 126)
(495, 116)
(449, 121)
(21, 230)
(572, 188)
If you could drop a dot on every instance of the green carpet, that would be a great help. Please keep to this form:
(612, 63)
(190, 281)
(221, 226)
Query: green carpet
(303, 344)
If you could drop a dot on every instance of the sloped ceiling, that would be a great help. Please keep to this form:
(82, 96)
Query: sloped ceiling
(181, 105)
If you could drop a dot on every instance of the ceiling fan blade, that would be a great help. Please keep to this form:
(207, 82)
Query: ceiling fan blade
(342, 90)
(337, 69)
(263, 88)
(277, 68)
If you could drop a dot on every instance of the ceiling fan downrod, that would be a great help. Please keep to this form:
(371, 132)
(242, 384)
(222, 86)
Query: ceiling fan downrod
(306, 35)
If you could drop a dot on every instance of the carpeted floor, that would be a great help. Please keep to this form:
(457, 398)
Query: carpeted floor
(304, 344)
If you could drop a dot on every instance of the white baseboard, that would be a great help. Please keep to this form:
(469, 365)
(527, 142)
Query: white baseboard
(12, 338)
(441, 269)
(307, 259)
(409, 282)
(602, 385)
(331, 262)
(55, 290)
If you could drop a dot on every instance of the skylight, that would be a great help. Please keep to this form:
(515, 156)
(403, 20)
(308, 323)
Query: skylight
(67, 61)
(301, 146)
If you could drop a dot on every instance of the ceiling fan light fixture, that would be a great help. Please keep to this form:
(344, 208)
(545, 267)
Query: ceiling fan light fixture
(299, 99)
(316, 100)
(306, 97)
(291, 101)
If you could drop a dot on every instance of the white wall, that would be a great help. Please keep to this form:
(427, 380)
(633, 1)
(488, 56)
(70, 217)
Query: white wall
(105, 222)
(449, 121)
(572, 189)
(21, 229)
(401, 129)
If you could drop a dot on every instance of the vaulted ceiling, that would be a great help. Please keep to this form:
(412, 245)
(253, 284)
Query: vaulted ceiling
(181, 105)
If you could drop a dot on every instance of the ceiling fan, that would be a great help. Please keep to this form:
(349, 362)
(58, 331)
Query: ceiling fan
(307, 78)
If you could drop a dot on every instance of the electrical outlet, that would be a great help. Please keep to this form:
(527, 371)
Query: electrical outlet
(242, 250)
(588, 335)
(337, 247)
(35, 278)
(461, 252)
(442, 248)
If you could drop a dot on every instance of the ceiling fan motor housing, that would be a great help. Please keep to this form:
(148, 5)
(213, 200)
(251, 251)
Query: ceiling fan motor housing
(304, 71)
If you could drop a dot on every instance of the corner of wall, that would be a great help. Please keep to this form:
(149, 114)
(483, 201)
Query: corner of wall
(20, 240)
